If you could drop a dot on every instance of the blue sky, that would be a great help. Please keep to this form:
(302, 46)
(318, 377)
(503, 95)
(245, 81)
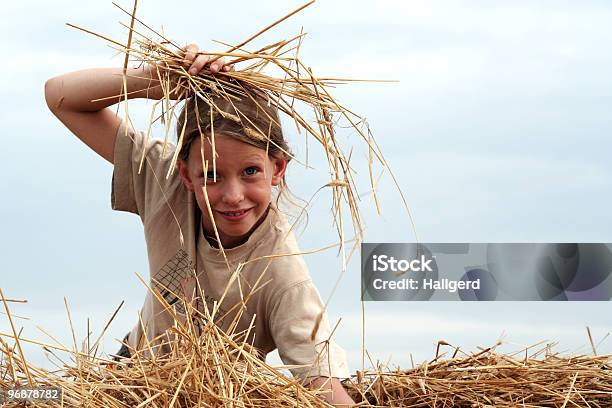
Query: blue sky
(498, 131)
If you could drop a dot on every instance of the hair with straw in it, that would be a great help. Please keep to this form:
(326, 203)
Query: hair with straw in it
(247, 118)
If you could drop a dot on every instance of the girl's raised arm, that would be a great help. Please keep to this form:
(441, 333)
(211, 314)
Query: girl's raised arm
(70, 97)
(80, 99)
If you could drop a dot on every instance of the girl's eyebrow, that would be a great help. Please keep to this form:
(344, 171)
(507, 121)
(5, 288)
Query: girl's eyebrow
(254, 157)
(208, 170)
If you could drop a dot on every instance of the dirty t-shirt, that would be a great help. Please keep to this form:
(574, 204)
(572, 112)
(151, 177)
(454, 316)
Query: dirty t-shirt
(276, 290)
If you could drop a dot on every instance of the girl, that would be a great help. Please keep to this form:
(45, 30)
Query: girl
(180, 213)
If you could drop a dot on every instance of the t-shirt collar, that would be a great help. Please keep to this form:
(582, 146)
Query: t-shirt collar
(209, 253)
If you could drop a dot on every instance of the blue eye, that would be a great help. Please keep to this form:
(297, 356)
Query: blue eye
(251, 171)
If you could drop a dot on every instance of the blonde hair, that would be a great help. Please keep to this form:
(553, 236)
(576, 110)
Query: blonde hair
(248, 118)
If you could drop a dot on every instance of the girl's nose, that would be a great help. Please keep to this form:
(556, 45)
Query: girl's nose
(233, 194)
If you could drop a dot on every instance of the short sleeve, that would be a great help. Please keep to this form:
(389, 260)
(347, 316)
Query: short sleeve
(136, 187)
(292, 320)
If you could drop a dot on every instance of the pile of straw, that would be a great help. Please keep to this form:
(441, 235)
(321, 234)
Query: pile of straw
(491, 379)
(205, 366)
(201, 365)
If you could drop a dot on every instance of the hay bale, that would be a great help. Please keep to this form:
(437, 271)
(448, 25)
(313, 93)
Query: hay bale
(491, 379)
(194, 363)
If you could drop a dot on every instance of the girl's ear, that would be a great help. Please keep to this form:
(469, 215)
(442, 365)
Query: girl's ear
(280, 166)
(184, 174)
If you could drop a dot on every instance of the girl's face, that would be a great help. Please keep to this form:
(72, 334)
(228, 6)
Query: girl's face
(242, 191)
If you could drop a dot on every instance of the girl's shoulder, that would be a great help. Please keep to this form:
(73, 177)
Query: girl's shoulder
(283, 232)
(286, 262)
(142, 176)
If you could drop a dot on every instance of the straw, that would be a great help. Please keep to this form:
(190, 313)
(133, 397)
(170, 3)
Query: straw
(490, 379)
(146, 46)
(206, 366)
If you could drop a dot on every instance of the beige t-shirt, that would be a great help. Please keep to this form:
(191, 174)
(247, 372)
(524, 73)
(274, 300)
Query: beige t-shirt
(284, 301)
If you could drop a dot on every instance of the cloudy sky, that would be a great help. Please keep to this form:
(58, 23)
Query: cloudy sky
(498, 131)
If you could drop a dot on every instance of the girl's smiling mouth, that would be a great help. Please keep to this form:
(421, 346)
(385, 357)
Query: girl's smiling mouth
(235, 215)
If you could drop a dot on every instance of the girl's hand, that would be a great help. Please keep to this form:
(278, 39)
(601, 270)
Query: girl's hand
(196, 62)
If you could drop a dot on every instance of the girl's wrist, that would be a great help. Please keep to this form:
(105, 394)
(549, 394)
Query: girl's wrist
(148, 84)
(144, 82)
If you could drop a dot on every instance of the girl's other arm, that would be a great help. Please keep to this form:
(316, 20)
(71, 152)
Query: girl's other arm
(332, 391)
